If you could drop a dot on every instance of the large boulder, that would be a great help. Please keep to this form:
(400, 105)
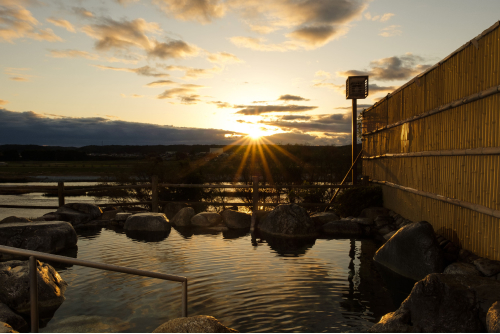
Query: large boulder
(235, 219)
(8, 316)
(6, 328)
(196, 324)
(288, 220)
(149, 221)
(14, 219)
(78, 213)
(321, 218)
(14, 287)
(344, 228)
(462, 268)
(171, 209)
(206, 219)
(373, 212)
(412, 252)
(183, 217)
(493, 318)
(444, 303)
(487, 267)
(47, 237)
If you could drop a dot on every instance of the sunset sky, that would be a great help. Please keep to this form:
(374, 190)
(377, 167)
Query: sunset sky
(85, 72)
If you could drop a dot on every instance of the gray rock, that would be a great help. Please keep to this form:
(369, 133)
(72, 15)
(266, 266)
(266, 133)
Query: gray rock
(389, 235)
(235, 219)
(447, 303)
(171, 209)
(288, 220)
(487, 267)
(342, 227)
(14, 219)
(8, 316)
(109, 215)
(78, 213)
(149, 222)
(14, 287)
(394, 322)
(47, 237)
(462, 268)
(321, 218)
(373, 212)
(363, 221)
(493, 318)
(382, 220)
(196, 324)
(213, 217)
(257, 217)
(183, 217)
(122, 216)
(384, 230)
(200, 221)
(6, 328)
(412, 252)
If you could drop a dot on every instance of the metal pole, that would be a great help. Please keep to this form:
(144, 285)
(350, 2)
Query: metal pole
(255, 193)
(60, 193)
(354, 140)
(184, 298)
(154, 184)
(33, 294)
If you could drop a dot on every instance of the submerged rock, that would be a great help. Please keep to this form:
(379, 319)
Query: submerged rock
(196, 324)
(14, 287)
(235, 219)
(147, 222)
(288, 220)
(412, 252)
(183, 217)
(47, 237)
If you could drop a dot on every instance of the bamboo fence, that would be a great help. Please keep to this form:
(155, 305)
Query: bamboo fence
(434, 145)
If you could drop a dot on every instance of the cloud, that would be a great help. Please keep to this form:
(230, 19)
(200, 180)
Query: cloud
(288, 97)
(18, 74)
(322, 73)
(18, 22)
(391, 31)
(223, 58)
(339, 123)
(392, 68)
(133, 95)
(374, 88)
(257, 110)
(185, 93)
(195, 73)
(203, 11)
(72, 54)
(260, 44)
(339, 88)
(31, 128)
(80, 11)
(221, 104)
(124, 35)
(145, 70)
(315, 36)
(62, 23)
(379, 18)
(160, 83)
(3, 102)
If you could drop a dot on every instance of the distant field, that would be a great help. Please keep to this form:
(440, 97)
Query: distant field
(65, 168)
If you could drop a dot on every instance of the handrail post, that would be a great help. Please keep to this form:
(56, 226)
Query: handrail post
(33, 294)
(60, 193)
(154, 198)
(255, 193)
(184, 298)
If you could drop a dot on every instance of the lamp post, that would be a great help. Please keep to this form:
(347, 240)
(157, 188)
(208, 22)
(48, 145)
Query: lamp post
(356, 88)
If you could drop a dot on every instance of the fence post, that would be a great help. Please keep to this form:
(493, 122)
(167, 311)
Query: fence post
(60, 193)
(154, 199)
(255, 193)
(33, 294)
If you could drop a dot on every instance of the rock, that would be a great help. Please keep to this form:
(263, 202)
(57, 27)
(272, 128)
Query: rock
(171, 209)
(93, 224)
(6, 328)
(147, 222)
(446, 303)
(14, 219)
(394, 322)
(78, 213)
(183, 217)
(235, 219)
(200, 221)
(8, 316)
(373, 212)
(389, 235)
(14, 287)
(288, 220)
(321, 218)
(385, 230)
(382, 220)
(462, 268)
(89, 324)
(122, 216)
(47, 237)
(213, 217)
(342, 227)
(109, 215)
(363, 221)
(196, 324)
(487, 267)
(412, 252)
(493, 318)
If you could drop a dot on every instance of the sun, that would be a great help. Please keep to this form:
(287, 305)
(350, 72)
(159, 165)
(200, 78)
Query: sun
(255, 134)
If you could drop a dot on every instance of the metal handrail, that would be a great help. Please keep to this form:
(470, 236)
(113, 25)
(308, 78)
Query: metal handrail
(33, 256)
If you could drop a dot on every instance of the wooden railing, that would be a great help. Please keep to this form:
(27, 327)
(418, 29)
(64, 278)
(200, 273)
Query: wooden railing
(62, 191)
